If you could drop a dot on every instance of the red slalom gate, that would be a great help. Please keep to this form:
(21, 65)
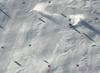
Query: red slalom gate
(77, 65)
(69, 19)
(49, 66)
(96, 19)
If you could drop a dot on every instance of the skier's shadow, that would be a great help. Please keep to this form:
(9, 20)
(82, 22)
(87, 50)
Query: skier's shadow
(83, 33)
(90, 27)
(88, 37)
(74, 27)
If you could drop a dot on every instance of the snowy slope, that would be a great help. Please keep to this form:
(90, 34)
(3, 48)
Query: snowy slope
(36, 33)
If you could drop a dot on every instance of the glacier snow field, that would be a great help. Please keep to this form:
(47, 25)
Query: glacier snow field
(49, 36)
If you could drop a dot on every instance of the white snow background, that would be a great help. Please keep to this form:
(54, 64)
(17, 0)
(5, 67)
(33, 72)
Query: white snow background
(45, 27)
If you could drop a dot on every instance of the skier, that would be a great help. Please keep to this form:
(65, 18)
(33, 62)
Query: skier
(70, 25)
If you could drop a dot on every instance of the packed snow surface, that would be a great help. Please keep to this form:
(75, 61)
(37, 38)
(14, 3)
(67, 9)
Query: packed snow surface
(35, 36)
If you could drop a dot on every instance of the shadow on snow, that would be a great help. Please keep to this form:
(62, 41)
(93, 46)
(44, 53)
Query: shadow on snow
(18, 63)
(1, 27)
(4, 13)
(42, 20)
(76, 29)
(63, 15)
(90, 27)
(88, 37)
